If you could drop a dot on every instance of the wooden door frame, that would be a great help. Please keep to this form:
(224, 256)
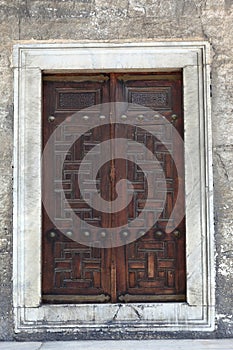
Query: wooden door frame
(197, 314)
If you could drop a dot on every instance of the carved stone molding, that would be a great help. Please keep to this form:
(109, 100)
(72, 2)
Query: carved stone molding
(197, 314)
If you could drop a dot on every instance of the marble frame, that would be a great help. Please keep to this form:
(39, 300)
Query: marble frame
(30, 60)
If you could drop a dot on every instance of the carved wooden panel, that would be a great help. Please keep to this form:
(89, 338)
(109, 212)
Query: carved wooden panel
(72, 272)
(149, 269)
(156, 98)
(152, 261)
(77, 269)
(74, 99)
(151, 266)
(69, 182)
(155, 264)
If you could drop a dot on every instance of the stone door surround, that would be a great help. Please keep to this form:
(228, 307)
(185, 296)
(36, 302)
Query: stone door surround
(30, 60)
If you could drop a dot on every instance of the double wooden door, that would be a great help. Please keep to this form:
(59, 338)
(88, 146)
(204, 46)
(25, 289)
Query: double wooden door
(152, 268)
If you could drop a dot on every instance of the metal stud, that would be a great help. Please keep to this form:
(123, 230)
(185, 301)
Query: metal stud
(156, 116)
(177, 233)
(52, 234)
(51, 118)
(103, 234)
(124, 116)
(140, 117)
(102, 117)
(174, 117)
(159, 233)
(69, 233)
(86, 233)
(85, 117)
(125, 233)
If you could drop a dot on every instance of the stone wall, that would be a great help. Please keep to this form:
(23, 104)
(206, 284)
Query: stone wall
(59, 20)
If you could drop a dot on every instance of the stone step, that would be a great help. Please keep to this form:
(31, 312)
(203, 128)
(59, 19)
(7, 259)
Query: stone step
(171, 344)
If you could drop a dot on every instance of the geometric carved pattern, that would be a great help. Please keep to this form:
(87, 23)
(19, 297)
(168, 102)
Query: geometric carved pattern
(77, 100)
(70, 177)
(69, 268)
(77, 267)
(163, 153)
(152, 265)
(133, 173)
(151, 262)
(158, 98)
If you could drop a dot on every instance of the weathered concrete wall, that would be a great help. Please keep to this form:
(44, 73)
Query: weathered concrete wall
(210, 20)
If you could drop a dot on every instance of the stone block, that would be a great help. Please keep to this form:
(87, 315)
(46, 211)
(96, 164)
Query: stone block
(216, 7)
(72, 29)
(9, 30)
(223, 178)
(52, 10)
(6, 153)
(136, 8)
(6, 196)
(6, 86)
(9, 18)
(222, 102)
(8, 9)
(5, 56)
(158, 29)
(6, 318)
(228, 5)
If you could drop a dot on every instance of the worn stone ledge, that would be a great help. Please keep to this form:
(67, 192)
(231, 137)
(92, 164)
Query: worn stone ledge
(124, 344)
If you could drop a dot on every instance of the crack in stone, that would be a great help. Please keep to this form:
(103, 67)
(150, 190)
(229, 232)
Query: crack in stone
(228, 253)
(115, 316)
(132, 307)
(223, 165)
(136, 311)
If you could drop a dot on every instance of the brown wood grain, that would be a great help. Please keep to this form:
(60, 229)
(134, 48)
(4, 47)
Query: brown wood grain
(151, 268)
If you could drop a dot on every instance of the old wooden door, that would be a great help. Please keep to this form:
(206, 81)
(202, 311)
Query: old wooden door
(152, 268)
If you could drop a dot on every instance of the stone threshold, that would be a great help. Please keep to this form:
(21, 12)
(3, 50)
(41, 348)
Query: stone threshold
(197, 344)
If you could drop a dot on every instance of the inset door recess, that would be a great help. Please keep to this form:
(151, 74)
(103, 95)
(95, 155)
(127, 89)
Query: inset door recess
(150, 269)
